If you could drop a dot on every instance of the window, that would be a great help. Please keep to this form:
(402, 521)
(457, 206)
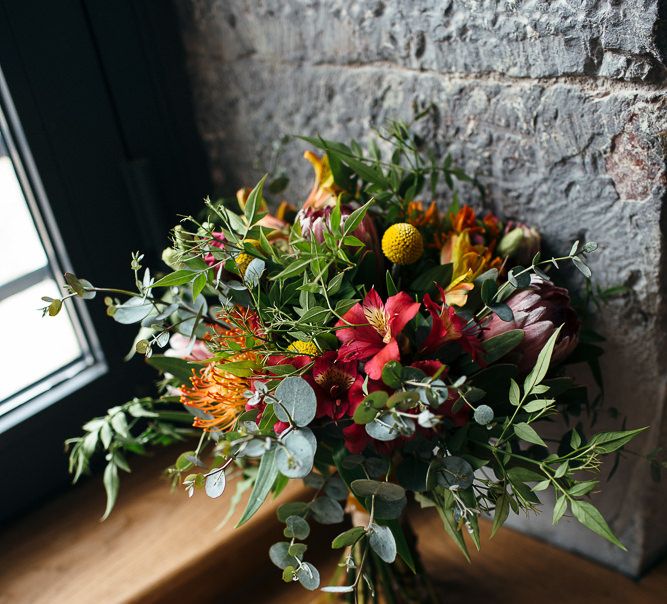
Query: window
(42, 358)
(105, 116)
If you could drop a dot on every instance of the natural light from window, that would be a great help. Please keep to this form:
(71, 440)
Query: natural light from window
(32, 348)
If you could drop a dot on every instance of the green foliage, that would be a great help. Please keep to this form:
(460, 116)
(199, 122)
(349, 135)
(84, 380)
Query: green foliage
(430, 426)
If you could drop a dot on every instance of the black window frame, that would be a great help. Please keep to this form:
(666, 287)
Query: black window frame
(102, 95)
(91, 364)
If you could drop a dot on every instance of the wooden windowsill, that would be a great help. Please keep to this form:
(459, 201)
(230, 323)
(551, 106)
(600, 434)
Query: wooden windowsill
(163, 547)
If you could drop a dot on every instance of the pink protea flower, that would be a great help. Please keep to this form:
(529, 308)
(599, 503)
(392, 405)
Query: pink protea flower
(316, 221)
(538, 311)
(369, 330)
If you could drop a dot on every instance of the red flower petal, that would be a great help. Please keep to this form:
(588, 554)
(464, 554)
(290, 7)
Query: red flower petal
(389, 353)
(401, 309)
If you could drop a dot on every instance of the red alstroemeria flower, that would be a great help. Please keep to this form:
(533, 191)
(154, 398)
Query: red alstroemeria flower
(447, 326)
(373, 330)
(332, 379)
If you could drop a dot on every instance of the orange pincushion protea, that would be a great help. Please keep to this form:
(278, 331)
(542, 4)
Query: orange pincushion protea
(218, 393)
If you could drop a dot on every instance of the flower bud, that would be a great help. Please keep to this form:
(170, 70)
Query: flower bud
(538, 310)
(171, 258)
(520, 243)
(314, 222)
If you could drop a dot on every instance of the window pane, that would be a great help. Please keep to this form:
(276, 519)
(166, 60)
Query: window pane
(38, 347)
(20, 247)
(34, 348)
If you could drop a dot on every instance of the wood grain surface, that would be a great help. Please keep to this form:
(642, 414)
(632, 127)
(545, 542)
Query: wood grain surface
(163, 547)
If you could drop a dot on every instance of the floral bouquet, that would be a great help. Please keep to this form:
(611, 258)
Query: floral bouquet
(375, 346)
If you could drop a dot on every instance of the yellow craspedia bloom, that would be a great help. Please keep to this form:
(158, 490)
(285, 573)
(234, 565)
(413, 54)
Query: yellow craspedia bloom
(243, 260)
(402, 243)
(301, 347)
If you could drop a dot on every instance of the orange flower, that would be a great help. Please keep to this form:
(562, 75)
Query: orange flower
(464, 220)
(418, 217)
(218, 394)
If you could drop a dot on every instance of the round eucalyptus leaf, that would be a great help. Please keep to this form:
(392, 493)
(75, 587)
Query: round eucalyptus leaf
(296, 401)
(291, 508)
(215, 484)
(314, 481)
(308, 434)
(253, 448)
(388, 510)
(254, 272)
(403, 399)
(295, 458)
(387, 427)
(483, 415)
(297, 528)
(376, 467)
(327, 511)
(387, 491)
(132, 311)
(308, 576)
(426, 419)
(392, 374)
(435, 395)
(382, 542)
(279, 554)
(377, 399)
(454, 473)
(336, 488)
(365, 413)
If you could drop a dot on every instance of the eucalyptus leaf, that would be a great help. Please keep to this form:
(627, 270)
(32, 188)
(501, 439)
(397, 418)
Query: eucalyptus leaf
(296, 401)
(295, 457)
(382, 542)
(132, 311)
(327, 511)
(266, 476)
(279, 555)
(297, 528)
(387, 491)
(308, 576)
(215, 483)
(454, 473)
(349, 537)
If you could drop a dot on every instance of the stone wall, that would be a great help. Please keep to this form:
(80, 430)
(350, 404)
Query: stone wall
(557, 106)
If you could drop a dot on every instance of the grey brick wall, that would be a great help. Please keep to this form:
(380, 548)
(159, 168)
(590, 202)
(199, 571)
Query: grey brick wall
(557, 106)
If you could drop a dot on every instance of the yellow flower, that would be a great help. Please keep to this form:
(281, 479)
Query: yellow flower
(402, 243)
(243, 260)
(301, 347)
(468, 262)
(218, 394)
(324, 191)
